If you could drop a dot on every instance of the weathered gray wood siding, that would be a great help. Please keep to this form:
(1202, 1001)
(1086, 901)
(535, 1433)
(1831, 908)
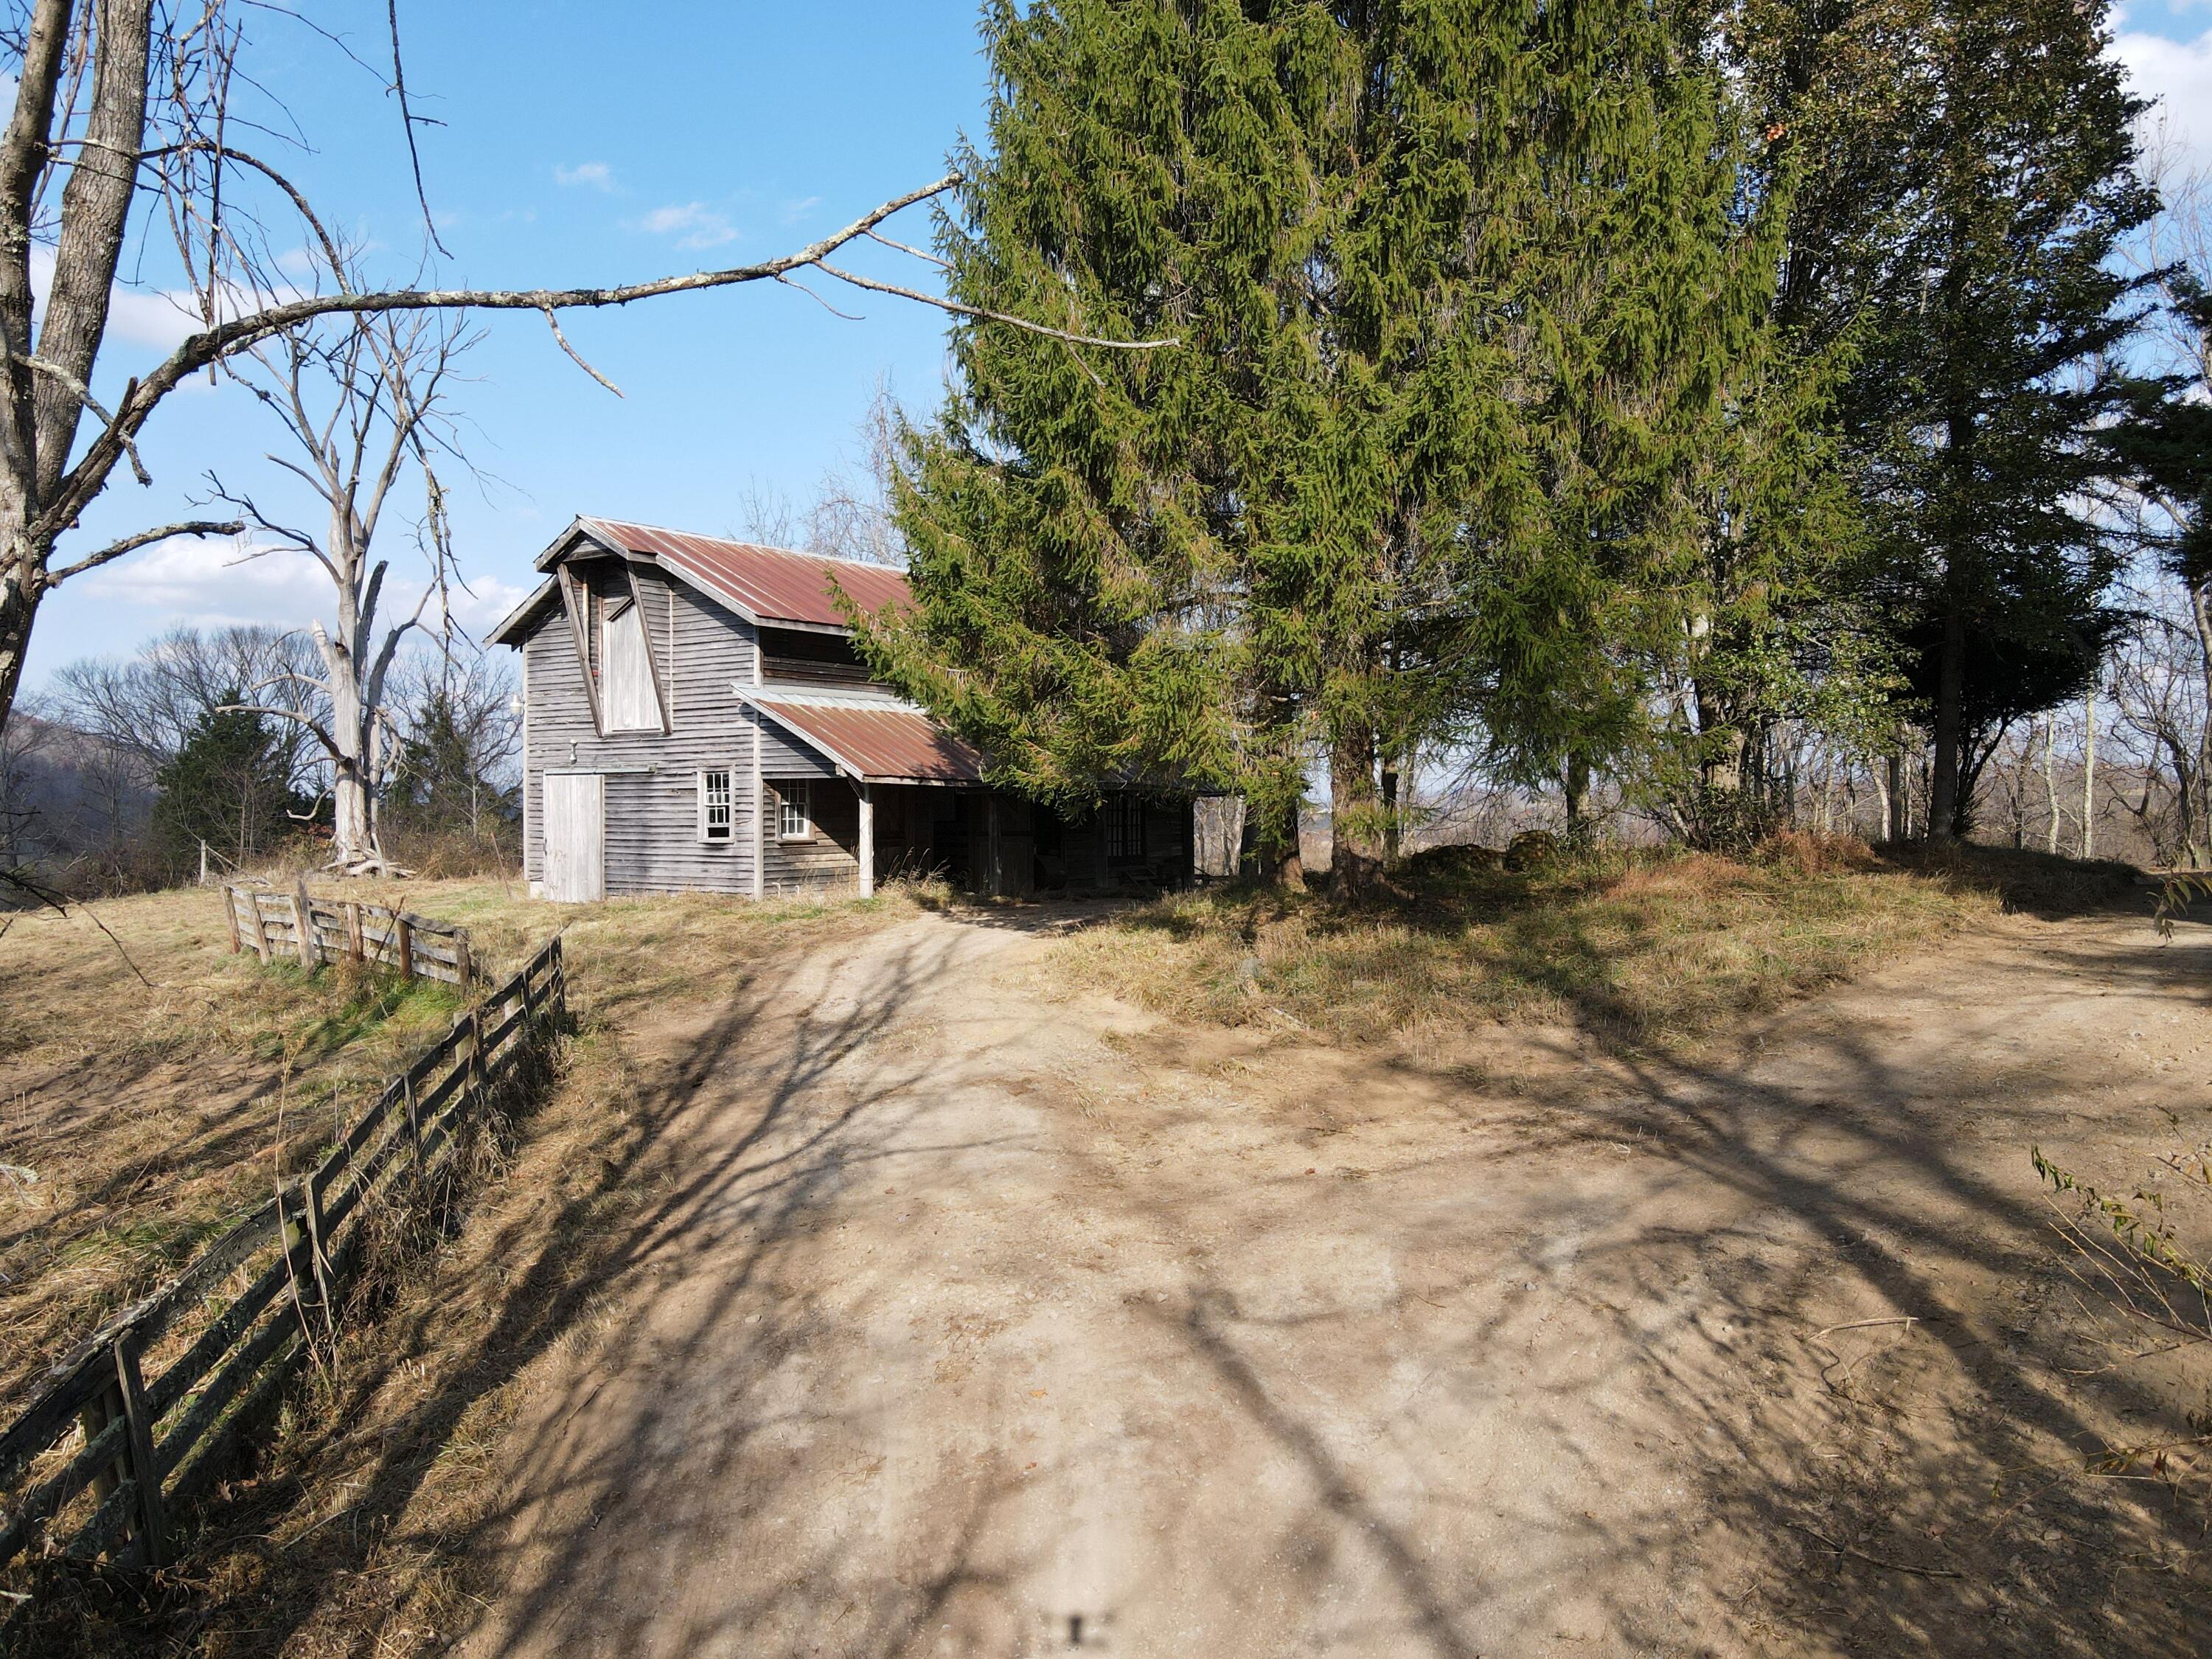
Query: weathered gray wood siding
(652, 840)
(783, 756)
(830, 860)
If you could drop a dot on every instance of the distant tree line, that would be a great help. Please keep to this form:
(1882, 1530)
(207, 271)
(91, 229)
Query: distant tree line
(136, 772)
(1660, 406)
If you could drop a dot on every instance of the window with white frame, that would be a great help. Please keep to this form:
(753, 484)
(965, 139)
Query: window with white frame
(717, 820)
(794, 819)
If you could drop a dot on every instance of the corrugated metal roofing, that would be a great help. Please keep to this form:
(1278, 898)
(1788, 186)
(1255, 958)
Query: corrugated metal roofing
(878, 739)
(765, 584)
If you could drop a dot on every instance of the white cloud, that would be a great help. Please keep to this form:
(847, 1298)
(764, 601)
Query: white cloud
(2178, 74)
(693, 224)
(598, 175)
(158, 318)
(795, 211)
(211, 581)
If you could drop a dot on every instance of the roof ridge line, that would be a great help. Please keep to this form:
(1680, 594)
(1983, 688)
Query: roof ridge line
(732, 541)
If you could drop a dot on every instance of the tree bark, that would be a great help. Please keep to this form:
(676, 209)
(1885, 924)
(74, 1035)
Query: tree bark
(1943, 803)
(1574, 787)
(1282, 861)
(1355, 812)
(2050, 778)
(2089, 774)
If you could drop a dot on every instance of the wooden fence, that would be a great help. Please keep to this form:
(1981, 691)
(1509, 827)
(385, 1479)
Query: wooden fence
(317, 931)
(146, 1411)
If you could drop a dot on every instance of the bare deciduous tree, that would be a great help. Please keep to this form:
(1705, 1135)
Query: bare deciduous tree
(120, 100)
(362, 403)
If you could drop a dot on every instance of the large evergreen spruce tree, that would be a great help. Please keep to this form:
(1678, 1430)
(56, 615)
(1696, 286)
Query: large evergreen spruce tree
(1968, 170)
(1455, 286)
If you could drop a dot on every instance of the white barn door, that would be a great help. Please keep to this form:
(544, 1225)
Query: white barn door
(575, 837)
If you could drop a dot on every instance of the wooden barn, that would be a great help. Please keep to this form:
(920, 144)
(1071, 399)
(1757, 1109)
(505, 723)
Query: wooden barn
(694, 718)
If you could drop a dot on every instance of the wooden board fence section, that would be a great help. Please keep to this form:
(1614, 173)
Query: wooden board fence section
(98, 1460)
(342, 930)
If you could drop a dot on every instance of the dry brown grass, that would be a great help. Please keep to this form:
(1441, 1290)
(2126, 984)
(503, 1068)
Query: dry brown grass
(1637, 948)
(158, 1086)
(358, 1526)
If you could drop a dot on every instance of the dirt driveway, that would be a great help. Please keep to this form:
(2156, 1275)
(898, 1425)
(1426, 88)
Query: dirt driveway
(977, 1321)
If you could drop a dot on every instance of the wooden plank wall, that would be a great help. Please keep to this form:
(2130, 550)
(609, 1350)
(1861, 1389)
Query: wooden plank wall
(652, 843)
(831, 860)
(149, 1410)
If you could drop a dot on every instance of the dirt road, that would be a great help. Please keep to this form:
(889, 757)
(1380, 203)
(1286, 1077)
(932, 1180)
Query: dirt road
(976, 1321)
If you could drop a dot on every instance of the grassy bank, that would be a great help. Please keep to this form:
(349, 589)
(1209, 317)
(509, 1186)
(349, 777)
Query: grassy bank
(155, 1086)
(1639, 948)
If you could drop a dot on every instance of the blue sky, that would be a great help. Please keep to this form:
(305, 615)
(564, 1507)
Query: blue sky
(591, 143)
(584, 143)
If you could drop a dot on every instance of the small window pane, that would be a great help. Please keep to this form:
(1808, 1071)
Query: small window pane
(795, 820)
(716, 820)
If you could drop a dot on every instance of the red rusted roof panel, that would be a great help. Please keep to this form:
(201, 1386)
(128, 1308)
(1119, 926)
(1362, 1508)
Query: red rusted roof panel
(767, 583)
(887, 744)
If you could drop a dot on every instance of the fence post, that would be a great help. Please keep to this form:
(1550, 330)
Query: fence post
(461, 965)
(153, 1522)
(230, 914)
(97, 1413)
(355, 948)
(402, 945)
(311, 955)
(260, 927)
(318, 1262)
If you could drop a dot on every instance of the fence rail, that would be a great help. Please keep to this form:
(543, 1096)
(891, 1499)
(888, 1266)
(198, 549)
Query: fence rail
(317, 931)
(144, 1412)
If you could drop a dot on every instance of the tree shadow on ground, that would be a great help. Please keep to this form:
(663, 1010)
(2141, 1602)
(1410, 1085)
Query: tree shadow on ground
(663, 1190)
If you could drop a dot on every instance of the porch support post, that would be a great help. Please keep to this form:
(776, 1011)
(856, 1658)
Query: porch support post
(867, 838)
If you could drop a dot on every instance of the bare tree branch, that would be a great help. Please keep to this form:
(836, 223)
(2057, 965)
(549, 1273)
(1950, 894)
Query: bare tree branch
(115, 550)
(561, 340)
(407, 120)
(78, 390)
(308, 721)
(982, 315)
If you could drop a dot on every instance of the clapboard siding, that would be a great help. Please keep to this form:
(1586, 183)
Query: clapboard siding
(831, 857)
(652, 834)
(783, 756)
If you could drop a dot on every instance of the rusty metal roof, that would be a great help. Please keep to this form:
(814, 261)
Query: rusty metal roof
(762, 584)
(878, 739)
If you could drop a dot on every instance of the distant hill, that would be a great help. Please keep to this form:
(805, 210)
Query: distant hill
(68, 797)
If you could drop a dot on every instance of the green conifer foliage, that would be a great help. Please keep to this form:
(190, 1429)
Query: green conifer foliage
(1968, 171)
(229, 786)
(1458, 288)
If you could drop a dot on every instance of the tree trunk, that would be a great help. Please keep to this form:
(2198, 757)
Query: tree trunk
(1574, 787)
(2200, 613)
(2050, 778)
(1355, 812)
(1393, 837)
(1943, 802)
(1283, 862)
(2089, 774)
